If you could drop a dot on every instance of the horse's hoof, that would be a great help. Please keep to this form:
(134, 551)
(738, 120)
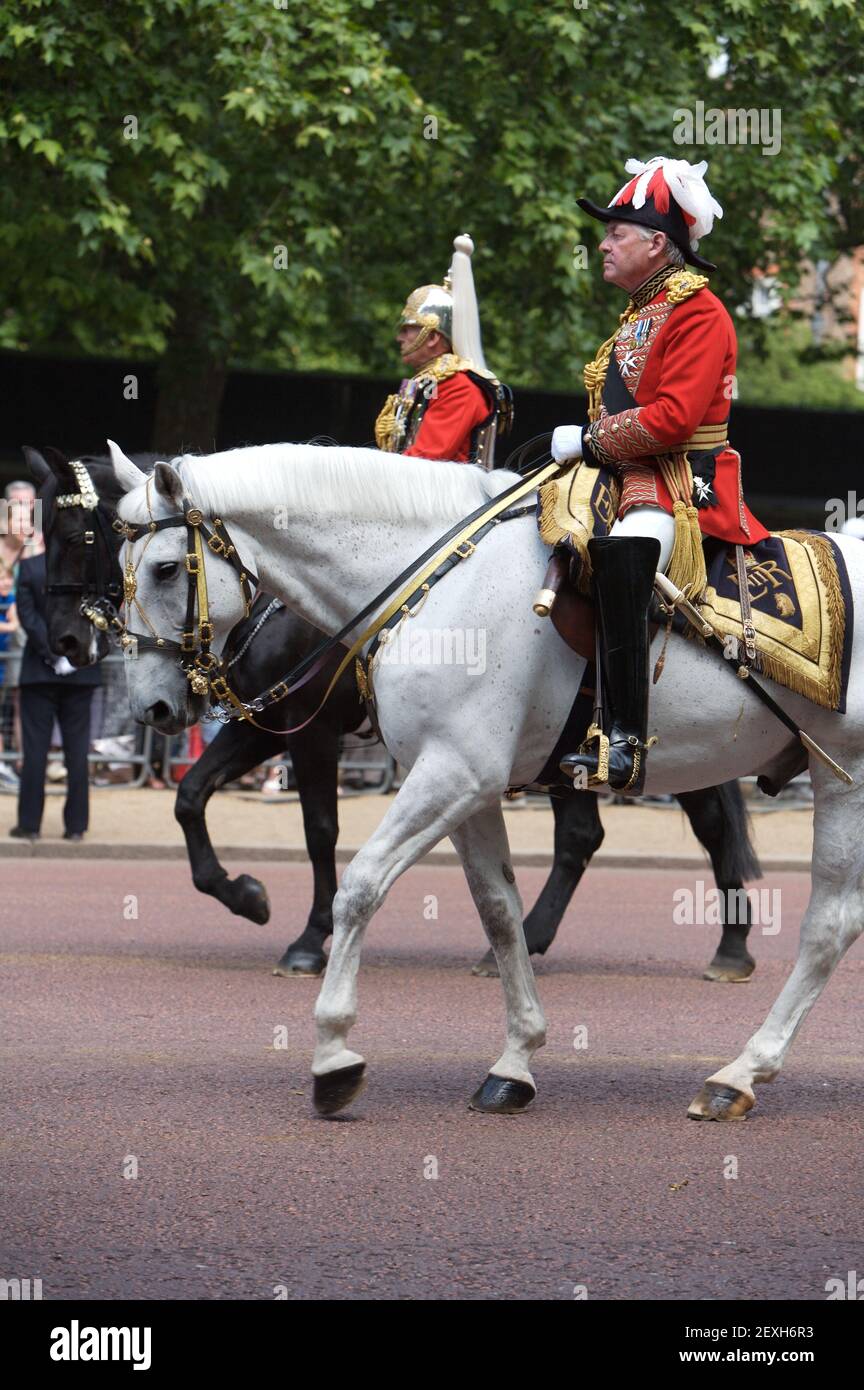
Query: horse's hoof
(251, 900)
(728, 971)
(499, 1095)
(336, 1089)
(300, 963)
(718, 1102)
(487, 967)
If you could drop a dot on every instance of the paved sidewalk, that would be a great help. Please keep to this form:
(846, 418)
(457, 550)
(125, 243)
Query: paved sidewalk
(140, 824)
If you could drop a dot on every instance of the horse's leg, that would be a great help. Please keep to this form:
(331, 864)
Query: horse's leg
(833, 921)
(438, 794)
(578, 836)
(481, 842)
(719, 821)
(236, 748)
(315, 758)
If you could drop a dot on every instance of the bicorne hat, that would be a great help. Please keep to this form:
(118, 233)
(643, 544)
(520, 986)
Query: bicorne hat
(668, 195)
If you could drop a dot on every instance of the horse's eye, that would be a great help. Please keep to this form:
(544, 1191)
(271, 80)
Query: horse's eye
(167, 569)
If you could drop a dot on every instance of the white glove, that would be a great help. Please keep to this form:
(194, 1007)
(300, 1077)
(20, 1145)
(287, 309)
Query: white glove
(567, 443)
(63, 667)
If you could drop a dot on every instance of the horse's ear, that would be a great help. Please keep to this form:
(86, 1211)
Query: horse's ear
(40, 469)
(168, 483)
(58, 464)
(125, 471)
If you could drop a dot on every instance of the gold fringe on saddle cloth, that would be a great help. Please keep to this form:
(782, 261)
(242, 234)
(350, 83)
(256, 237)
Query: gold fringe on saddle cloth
(805, 658)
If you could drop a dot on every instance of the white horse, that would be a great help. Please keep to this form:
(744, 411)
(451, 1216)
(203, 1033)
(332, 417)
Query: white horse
(326, 530)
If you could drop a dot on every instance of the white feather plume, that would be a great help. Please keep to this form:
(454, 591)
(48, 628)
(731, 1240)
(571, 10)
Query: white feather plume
(467, 341)
(687, 185)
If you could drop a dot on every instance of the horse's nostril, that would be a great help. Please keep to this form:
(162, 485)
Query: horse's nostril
(158, 712)
(67, 645)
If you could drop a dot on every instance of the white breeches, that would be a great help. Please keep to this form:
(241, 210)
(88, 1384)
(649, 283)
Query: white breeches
(649, 521)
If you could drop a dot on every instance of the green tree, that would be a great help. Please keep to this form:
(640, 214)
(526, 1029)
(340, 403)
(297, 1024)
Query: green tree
(262, 181)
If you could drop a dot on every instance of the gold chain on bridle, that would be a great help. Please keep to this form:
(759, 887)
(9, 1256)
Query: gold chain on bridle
(199, 662)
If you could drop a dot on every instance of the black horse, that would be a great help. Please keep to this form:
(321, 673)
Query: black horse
(262, 651)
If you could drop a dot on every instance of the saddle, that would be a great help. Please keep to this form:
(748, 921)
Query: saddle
(794, 625)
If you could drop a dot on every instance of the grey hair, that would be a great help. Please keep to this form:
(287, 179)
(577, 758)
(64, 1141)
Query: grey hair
(674, 254)
(21, 486)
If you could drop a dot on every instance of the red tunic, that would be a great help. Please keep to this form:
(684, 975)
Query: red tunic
(680, 368)
(453, 413)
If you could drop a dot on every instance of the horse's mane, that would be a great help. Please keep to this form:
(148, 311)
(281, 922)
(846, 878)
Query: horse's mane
(324, 482)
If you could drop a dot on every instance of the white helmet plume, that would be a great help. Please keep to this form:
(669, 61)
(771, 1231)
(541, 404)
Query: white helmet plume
(466, 316)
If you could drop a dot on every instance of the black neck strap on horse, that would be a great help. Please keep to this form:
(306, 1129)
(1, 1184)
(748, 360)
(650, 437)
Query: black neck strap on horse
(306, 669)
(431, 565)
(202, 665)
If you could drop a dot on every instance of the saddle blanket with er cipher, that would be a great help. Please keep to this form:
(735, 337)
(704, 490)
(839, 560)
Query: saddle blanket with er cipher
(801, 608)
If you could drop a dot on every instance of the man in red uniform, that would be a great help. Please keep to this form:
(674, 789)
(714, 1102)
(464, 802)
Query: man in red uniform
(659, 393)
(452, 406)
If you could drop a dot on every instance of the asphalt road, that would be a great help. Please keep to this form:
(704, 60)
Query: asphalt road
(146, 1043)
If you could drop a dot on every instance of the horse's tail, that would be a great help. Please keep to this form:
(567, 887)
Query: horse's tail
(738, 858)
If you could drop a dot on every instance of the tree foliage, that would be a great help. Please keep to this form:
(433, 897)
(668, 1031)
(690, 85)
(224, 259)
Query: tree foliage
(262, 181)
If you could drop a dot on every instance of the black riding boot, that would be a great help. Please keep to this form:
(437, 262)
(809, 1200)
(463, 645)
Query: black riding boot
(624, 569)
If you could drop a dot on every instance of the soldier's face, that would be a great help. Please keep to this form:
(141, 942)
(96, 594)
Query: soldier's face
(628, 257)
(414, 356)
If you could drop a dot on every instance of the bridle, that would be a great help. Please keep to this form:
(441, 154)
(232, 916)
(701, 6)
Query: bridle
(100, 590)
(202, 667)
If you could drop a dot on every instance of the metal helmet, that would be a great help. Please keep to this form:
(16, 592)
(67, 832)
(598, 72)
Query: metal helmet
(431, 308)
(450, 308)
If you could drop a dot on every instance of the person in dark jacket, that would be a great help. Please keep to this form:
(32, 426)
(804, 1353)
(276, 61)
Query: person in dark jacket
(50, 689)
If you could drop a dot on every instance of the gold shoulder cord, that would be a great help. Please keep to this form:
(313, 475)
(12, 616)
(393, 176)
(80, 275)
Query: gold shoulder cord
(679, 287)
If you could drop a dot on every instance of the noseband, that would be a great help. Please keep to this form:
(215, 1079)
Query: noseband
(100, 592)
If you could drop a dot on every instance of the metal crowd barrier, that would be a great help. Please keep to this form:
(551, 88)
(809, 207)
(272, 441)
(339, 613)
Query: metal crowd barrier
(111, 712)
(364, 767)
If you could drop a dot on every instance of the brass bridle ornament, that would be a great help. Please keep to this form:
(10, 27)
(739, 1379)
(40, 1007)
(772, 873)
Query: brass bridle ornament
(201, 665)
(100, 593)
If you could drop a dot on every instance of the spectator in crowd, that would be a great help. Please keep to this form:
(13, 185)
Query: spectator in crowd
(50, 688)
(19, 535)
(8, 627)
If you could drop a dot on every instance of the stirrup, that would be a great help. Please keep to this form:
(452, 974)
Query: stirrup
(631, 743)
(599, 778)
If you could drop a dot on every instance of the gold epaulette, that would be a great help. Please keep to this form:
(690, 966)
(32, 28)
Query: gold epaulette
(442, 368)
(683, 285)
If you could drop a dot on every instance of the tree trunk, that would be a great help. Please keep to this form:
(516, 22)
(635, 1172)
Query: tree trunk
(191, 384)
